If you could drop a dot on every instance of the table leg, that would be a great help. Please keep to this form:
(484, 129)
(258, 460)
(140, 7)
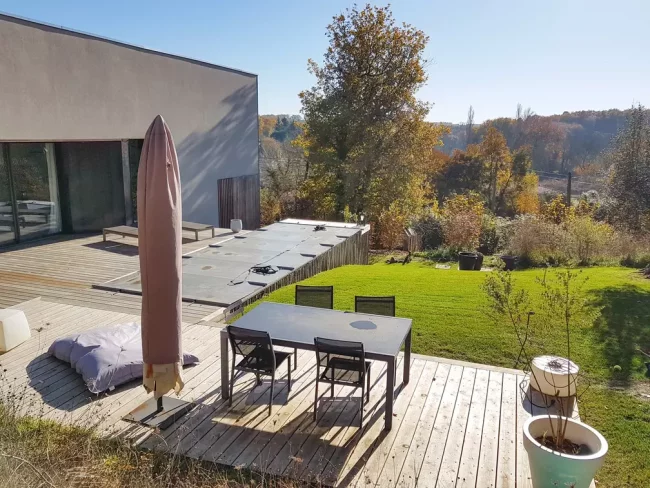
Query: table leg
(407, 358)
(225, 373)
(390, 392)
(213, 232)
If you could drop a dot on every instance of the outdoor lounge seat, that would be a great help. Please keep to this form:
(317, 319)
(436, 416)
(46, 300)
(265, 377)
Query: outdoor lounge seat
(259, 357)
(342, 363)
(375, 305)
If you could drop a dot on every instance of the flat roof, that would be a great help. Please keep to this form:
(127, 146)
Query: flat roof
(66, 30)
(222, 274)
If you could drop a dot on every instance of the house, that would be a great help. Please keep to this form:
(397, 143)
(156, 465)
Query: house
(74, 109)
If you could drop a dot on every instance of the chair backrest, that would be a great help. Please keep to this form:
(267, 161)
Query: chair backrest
(375, 305)
(251, 343)
(328, 348)
(315, 296)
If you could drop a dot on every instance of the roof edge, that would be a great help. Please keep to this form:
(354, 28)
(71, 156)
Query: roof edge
(65, 30)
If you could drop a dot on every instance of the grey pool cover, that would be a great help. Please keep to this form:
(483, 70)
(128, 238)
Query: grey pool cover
(221, 274)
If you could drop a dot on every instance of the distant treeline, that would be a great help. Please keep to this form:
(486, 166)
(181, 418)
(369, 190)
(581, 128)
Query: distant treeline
(558, 143)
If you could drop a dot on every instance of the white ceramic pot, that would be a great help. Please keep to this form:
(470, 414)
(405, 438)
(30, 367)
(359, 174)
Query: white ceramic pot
(554, 374)
(550, 469)
(236, 225)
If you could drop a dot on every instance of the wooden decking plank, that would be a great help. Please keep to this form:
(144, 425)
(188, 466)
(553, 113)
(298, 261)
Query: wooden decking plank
(489, 450)
(415, 456)
(392, 469)
(435, 450)
(523, 467)
(383, 440)
(253, 416)
(506, 467)
(466, 476)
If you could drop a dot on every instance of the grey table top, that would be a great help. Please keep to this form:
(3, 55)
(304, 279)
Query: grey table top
(381, 336)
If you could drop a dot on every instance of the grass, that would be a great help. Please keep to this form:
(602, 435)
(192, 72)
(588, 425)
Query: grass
(448, 309)
(42, 453)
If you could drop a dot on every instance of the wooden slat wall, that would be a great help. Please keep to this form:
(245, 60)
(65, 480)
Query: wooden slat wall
(239, 198)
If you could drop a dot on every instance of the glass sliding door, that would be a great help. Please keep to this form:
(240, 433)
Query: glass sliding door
(35, 189)
(7, 217)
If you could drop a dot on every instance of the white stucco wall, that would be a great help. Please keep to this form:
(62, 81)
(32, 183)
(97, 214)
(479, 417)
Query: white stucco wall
(59, 85)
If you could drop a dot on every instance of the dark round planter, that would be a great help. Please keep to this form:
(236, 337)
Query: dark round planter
(467, 261)
(509, 262)
(479, 261)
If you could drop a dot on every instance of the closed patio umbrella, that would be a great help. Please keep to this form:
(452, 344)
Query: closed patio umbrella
(159, 242)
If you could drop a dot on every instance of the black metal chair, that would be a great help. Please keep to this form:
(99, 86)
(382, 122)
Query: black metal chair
(258, 357)
(313, 296)
(342, 363)
(375, 305)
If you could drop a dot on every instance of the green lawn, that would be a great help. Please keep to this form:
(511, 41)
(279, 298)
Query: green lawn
(448, 309)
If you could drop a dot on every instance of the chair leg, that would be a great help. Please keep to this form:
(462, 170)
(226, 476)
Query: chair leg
(289, 374)
(368, 387)
(361, 404)
(316, 401)
(271, 397)
(332, 385)
(232, 383)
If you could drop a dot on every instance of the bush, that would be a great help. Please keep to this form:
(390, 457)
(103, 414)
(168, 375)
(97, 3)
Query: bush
(269, 207)
(488, 241)
(589, 241)
(390, 228)
(440, 254)
(429, 227)
(536, 241)
(462, 217)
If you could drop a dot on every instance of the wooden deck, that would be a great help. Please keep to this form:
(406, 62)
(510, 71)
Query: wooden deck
(455, 424)
(62, 269)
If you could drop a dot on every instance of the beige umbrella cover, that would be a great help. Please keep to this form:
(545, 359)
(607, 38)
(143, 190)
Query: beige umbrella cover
(159, 242)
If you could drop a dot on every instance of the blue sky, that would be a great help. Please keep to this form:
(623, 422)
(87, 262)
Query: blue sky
(550, 55)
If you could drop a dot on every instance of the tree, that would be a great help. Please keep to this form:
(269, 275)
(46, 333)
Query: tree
(496, 159)
(629, 182)
(469, 126)
(365, 137)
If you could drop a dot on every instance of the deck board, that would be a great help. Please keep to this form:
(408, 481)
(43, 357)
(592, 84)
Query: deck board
(456, 424)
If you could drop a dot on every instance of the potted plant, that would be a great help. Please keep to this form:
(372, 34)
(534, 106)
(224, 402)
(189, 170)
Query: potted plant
(562, 451)
(479, 261)
(466, 260)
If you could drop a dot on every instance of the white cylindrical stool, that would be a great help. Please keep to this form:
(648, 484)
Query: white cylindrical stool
(236, 225)
(14, 329)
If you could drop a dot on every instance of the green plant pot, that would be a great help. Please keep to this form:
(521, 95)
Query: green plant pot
(467, 261)
(509, 261)
(479, 261)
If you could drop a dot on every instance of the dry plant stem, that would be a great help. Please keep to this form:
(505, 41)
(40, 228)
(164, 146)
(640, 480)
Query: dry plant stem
(34, 468)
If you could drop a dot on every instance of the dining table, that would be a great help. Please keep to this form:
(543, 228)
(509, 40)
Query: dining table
(296, 326)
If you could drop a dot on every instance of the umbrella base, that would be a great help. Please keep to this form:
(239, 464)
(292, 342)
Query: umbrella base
(151, 414)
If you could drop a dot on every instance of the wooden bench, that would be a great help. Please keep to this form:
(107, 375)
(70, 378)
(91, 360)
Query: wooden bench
(128, 231)
(196, 228)
(121, 230)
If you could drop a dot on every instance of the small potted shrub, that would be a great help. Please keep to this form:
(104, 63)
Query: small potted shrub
(461, 222)
(562, 451)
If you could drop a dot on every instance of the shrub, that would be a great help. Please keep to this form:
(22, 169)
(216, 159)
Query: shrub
(269, 207)
(589, 241)
(390, 228)
(489, 237)
(429, 226)
(440, 254)
(537, 241)
(556, 211)
(462, 217)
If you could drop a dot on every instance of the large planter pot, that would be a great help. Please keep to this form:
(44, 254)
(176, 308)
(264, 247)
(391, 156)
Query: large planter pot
(236, 225)
(550, 469)
(479, 261)
(466, 261)
(509, 262)
(553, 374)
